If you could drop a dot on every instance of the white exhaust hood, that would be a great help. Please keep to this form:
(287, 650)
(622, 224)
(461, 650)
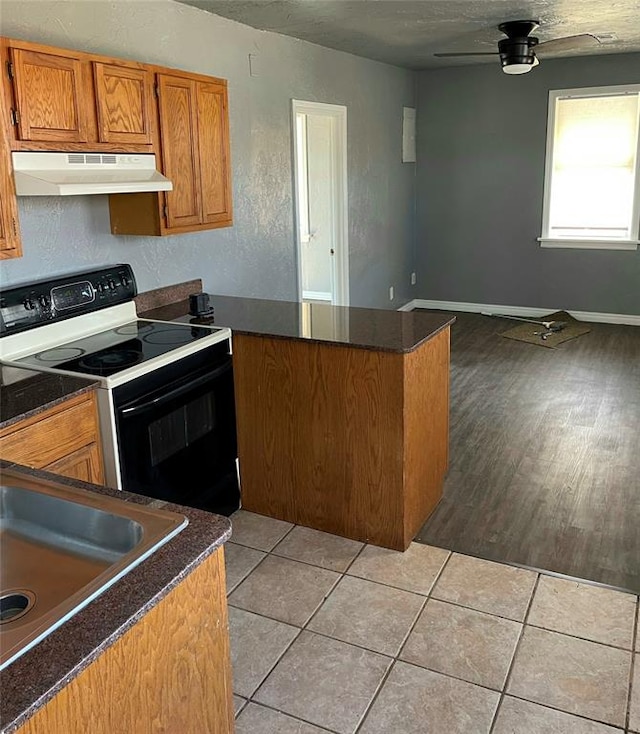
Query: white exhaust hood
(73, 174)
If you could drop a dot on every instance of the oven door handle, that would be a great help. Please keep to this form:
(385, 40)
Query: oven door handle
(176, 392)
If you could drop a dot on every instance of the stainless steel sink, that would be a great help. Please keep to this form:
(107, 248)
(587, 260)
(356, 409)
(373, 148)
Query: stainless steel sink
(61, 547)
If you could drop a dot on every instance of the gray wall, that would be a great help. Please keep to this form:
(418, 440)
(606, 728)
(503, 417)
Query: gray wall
(256, 257)
(481, 152)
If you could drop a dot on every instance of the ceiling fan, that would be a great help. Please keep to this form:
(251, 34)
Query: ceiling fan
(518, 51)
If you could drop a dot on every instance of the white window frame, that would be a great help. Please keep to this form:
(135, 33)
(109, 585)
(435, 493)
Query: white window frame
(577, 243)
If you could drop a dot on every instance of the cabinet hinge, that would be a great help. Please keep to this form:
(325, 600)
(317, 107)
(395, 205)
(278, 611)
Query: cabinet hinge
(15, 117)
(15, 226)
(10, 70)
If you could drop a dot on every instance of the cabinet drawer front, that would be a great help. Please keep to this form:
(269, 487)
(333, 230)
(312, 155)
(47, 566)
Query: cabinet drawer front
(53, 437)
(123, 98)
(49, 91)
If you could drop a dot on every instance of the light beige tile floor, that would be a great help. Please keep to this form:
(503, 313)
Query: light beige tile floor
(329, 635)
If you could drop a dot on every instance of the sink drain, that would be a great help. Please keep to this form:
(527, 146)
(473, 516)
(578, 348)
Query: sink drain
(15, 604)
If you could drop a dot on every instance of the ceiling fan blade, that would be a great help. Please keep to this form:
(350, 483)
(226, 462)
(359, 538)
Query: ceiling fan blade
(568, 43)
(473, 53)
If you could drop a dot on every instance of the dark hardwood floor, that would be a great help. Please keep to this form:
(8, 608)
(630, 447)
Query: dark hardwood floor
(544, 466)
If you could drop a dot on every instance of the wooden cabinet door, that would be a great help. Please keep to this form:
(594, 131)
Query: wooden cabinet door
(178, 132)
(9, 231)
(51, 97)
(213, 150)
(123, 103)
(64, 439)
(84, 464)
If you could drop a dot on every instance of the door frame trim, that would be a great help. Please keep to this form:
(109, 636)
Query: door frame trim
(341, 223)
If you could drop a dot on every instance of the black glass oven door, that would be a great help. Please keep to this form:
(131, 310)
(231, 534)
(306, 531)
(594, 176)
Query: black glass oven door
(178, 442)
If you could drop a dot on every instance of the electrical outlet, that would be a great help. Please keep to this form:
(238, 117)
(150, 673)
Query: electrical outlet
(391, 293)
(413, 278)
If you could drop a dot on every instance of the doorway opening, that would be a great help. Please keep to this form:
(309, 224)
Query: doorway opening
(320, 183)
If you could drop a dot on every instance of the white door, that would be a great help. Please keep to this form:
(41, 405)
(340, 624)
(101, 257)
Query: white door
(321, 211)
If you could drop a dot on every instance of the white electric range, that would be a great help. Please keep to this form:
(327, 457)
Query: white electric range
(165, 395)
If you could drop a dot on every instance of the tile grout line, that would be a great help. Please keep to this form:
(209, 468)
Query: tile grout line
(507, 679)
(246, 576)
(634, 642)
(542, 571)
(250, 699)
(526, 624)
(430, 595)
(291, 716)
(395, 659)
(582, 717)
(577, 637)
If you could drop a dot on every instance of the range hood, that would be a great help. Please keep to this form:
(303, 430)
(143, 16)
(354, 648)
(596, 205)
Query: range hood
(74, 174)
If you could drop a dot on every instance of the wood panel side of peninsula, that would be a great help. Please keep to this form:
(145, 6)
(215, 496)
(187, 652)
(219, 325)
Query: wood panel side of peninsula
(346, 440)
(171, 672)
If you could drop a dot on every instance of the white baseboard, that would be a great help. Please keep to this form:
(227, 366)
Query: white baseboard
(316, 296)
(492, 309)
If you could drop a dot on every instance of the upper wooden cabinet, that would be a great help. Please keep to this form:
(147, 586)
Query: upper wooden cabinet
(64, 100)
(74, 101)
(195, 150)
(50, 103)
(180, 155)
(9, 231)
(124, 99)
(213, 149)
(193, 122)
(10, 245)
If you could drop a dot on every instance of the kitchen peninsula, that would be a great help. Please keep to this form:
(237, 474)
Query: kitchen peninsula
(342, 413)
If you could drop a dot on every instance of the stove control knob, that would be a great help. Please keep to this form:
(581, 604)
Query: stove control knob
(44, 301)
(112, 284)
(29, 304)
(100, 287)
(124, 280)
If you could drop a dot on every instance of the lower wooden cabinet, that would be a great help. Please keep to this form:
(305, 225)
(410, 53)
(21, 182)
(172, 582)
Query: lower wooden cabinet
(64, 440)
(346, 440)
(171, 672)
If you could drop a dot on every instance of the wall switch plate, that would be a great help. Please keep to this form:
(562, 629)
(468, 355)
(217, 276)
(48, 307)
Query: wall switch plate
(408, 135)
(391, 293)
(255, 67)
(413, 279)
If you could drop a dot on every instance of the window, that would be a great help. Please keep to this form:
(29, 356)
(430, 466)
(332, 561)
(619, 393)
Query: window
(592, 172)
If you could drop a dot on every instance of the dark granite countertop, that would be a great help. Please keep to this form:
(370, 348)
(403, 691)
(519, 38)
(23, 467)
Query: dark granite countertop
(363, 328)
(35, 393)
(36, 676)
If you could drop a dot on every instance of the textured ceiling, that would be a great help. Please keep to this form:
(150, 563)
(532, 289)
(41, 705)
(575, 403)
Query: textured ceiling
(408, 32)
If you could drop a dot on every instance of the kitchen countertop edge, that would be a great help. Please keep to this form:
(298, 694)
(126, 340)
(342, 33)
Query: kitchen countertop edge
(68, 387)
(235, 312)
(34, 678)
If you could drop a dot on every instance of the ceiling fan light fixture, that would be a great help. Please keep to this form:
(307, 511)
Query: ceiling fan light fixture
(516, 68)
(517, 55)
